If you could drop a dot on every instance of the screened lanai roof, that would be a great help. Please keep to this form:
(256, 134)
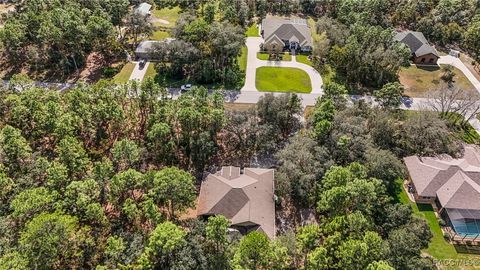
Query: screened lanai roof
(465, 222)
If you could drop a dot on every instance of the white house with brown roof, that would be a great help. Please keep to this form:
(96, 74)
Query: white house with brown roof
(453, 185)
(245, 197)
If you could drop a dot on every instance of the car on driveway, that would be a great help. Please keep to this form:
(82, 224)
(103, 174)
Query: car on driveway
(186, 87)
(142, 63)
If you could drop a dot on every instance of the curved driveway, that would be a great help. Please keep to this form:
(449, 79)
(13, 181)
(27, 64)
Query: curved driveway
(253, 45)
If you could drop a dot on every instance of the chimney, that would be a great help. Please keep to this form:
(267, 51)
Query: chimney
(230, 172)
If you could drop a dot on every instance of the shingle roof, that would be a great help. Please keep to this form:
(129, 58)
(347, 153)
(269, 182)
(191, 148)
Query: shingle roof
(147, 46)
(293, 29)
(455, 182)
(143, 9)
(417, 43)
(460, 192)
(242, 198)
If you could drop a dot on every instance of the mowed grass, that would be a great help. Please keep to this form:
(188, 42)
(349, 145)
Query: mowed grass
(242, 58)
(282, 79)
(313, 28)
(124, 74)
(151, 71)
(169, 14)
(418, 81)
(159, 35)
(303, 59)
(252, 31)
(266, 56)
(262, 56)
(438, 247)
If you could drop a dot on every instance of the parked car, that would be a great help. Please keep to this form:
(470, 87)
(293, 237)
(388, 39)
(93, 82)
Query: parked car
(186, 87)
(142, 63)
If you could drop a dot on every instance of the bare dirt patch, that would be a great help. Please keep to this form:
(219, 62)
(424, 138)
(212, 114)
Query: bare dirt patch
(159, 21)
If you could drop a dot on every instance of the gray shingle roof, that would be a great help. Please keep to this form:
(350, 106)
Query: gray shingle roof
(293, 29)
(455, 182)
(146, 46)
(245, 199)
(417, 43)
(143, 9)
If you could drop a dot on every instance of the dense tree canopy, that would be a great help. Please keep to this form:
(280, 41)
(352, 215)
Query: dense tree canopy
(105, 176)
(61, 33)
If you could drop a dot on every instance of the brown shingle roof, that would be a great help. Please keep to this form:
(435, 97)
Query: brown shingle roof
(242, 198)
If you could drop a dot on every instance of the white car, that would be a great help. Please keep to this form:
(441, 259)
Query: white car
(186, 87)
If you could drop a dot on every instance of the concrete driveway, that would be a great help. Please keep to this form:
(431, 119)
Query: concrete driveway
(137, 73)
(456, 62)
(253, 45)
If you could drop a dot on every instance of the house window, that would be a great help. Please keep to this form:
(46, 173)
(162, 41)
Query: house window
(423, 60)
(431, 60)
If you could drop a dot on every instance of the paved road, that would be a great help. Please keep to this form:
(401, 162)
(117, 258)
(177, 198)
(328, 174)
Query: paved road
(137, 73)
(253, 97)
(253, 45)
(456, 62)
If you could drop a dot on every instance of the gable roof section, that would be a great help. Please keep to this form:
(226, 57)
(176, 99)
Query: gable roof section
(460, 193)
(455, 182)
(417, 43)
(147, 46)
(143, 9)
(242, 198)
(287, 29)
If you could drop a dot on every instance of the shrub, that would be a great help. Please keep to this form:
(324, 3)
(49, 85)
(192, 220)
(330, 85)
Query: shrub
(441, 222)
(110, 71)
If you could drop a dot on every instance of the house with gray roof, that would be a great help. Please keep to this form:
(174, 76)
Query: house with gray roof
(143, 9)
(452, 186)
(286, 34)
(422, 51)
(245, 197)
(146, 48)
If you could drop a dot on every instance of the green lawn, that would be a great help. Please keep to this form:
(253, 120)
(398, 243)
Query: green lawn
(169, 14)
(124, 74)
(266, 56)
(159, 35)
(262, 56)
(252, 31)
(242, 58)
(282, 79)
(151, 71)
(438, 247)
(312, 24)
(419, 80)
(303, 59)
(286, 57)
